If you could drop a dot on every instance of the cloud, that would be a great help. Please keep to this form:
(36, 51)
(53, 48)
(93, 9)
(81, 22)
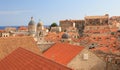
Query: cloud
(13, 12)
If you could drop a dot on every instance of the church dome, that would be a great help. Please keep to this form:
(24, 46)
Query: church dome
(65, 36)
(40, 23)
(32, 22)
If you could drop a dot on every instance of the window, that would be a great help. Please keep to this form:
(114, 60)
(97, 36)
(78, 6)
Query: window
(85, 56)
(6, 35)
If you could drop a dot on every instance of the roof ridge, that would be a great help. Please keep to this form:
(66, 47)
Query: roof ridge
(42, 56)
(66, 49)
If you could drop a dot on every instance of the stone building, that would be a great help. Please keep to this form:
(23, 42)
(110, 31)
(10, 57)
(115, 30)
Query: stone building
(79, 24)
(117, 41)
(55, 29)
(64, 24)
(75, 57)
(37, 31)
(9, 44)
(115, 21)
(96, 20)
(87, 60)
(4, 34)
(44, 46)
(96, 24)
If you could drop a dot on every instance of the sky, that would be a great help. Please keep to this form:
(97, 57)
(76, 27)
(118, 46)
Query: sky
(19, 12)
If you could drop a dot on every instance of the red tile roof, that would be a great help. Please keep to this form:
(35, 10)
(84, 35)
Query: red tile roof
(62, 52)
(9, 44)
(22, 28)
(1, 31)
(52, 36)
(22, 59)
(56, 37)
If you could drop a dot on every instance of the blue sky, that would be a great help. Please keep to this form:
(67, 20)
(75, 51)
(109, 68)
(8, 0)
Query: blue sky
(18, 12)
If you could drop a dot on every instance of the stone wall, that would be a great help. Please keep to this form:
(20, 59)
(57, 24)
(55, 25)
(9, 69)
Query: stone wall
(55, 29)
(96, 20)
(92, 63)
(64, 24)
(44, 47)
(79, 24)
(115, 21)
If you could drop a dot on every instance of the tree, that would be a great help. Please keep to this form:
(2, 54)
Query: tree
(53, 24)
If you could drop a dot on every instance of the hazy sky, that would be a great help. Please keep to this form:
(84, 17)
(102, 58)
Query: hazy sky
(18, 12)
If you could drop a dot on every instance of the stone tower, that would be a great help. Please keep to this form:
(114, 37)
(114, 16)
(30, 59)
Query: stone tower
(40, 31)
(40, 26)
(32, 27)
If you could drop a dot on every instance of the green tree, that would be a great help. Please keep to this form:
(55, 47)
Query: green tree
(53, 24)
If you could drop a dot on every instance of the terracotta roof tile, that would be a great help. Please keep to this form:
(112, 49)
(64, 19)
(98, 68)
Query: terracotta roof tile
(22, 28)
(9, 44)
(56, 37)
(62, 52)
(52, 36)
(22, 59)
(1, 31)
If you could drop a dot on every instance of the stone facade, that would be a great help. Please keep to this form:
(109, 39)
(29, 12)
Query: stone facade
(92, 24)
(4, 34)
(55, 29)
(64, 24)
(96, 24)
(31, 28)
(44, 46)
(86, 60)
(79, 24)
(115, 21)
(96, 20)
